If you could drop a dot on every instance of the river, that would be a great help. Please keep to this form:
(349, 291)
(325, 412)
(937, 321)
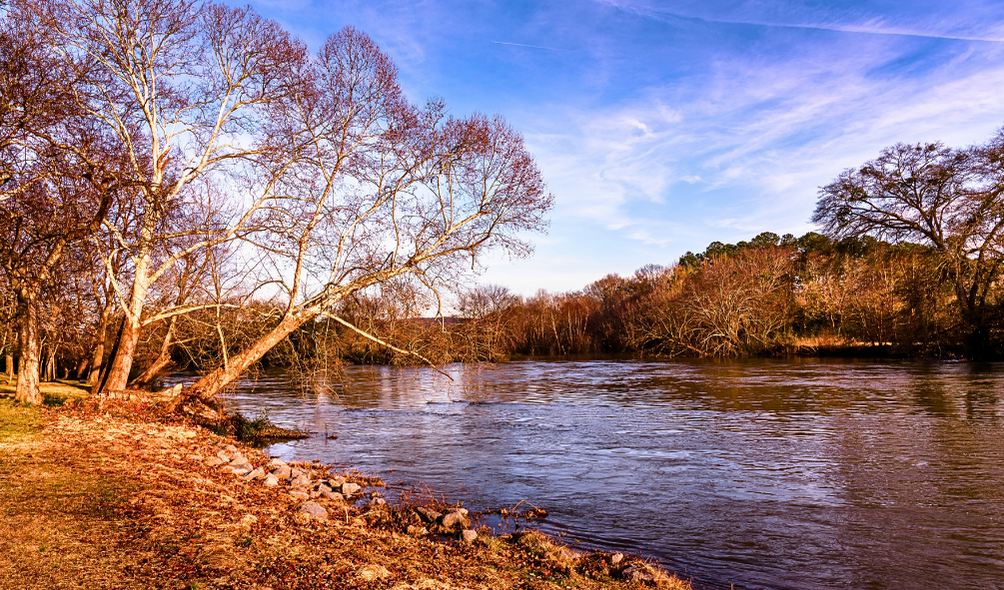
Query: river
(799, 474)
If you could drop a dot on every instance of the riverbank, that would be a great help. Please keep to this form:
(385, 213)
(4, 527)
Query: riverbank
(117, 495)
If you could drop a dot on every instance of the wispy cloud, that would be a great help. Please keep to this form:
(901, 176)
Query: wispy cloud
(748, 145)
(528, 46)
(965, 25)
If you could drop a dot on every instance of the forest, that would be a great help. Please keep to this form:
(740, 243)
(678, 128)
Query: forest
(167, 165)
(184, 185)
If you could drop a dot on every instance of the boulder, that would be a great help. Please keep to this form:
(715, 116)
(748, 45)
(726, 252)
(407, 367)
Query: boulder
(238, 459)
(616, 558)
(330, 495)
(428, 514)
(336, 481)
(349, 488)
(454, 520)
(271, 480)
(215, 461)
(239, 469)
(322, 488)
(468, 535)
(314, 510)
(282, 472)
(301, 481)
(276, 462)
(417, 531)
(299, 495)
(639, 573)
(256, 473)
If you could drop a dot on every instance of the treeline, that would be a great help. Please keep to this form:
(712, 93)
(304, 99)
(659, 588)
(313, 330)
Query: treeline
(771, 295)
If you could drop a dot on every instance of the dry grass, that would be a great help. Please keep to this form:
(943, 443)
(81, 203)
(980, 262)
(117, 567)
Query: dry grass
(116, 499)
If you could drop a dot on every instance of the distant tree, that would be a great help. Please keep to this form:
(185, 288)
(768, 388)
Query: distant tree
(951, 200)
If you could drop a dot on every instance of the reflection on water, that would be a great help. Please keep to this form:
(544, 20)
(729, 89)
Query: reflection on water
(761, 474)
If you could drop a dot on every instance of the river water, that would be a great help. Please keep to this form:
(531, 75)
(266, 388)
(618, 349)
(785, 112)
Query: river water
(759, 474)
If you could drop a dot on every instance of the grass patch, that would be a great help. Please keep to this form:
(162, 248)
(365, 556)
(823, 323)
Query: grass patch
(256, 432)
(54, 393)
(18, 422)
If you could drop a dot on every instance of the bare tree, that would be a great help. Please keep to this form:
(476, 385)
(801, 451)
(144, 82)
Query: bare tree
(950, 200)
(59, 179)
(178, 85)
(371, 190)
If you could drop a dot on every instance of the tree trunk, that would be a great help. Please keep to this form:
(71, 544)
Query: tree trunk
(212, 384)
(81, 369)
(163, 359)
(118, 376)
(51, 367)
(98, 360)
(28, 364)
(9, 366)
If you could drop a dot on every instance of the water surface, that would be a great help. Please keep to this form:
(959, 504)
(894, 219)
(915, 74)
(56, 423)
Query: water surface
(762, 474)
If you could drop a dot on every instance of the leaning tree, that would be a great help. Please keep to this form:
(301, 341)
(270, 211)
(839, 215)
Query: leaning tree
(369, 189)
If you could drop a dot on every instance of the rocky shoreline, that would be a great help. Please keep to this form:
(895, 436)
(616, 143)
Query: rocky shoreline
(335, 493)
(158, 504)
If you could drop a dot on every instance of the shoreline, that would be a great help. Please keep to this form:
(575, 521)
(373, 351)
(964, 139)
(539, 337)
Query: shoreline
(115, 494)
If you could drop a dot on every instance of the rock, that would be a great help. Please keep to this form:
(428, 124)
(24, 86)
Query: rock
(639, 573)
(300, 481)
(322, 488)
(299, 495)
(378, 501)
(281, 472)
(314, 510)
(276, 462)
(333, 496)
(295, 472)
(454, 520)
(215, 461)
(271, 480)
(462, 511)
(238, 459)
(223, 456)
(350, 488)
(372, 572)
(468, 535)
(230, 448)
(336, 480)
(616, 558)
(238, 469)
(417, 531)
(428, 514)
(256, 473)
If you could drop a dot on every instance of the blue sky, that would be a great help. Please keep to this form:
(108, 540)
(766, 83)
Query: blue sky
(661, 126)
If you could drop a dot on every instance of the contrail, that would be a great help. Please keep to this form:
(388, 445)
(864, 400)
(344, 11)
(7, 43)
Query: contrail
(863, 29)
(530, 46)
